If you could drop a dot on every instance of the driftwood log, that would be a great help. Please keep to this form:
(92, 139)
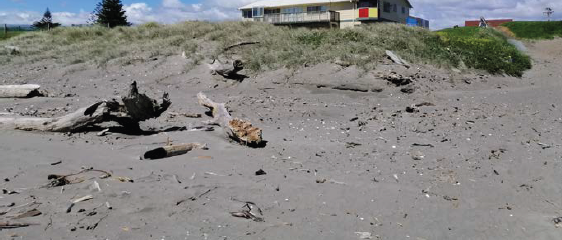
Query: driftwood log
(19, 91)
(238, 130)
(80, 119)
(172, 150)
(227, 70)
(134, 109)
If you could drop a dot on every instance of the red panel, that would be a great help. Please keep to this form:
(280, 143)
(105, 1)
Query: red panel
(363, 13)
(472, 23)
(493, 23)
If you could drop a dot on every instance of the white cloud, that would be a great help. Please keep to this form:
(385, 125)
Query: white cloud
(171, 11)
(172, 4)
(69, 18)
(441, 13)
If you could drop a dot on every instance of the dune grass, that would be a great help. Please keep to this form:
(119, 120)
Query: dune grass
(535, 30)
(279, 46)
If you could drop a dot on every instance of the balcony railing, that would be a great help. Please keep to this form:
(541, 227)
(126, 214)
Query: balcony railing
(307, 17)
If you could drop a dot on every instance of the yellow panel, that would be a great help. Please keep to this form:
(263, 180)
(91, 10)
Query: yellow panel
(373, 12)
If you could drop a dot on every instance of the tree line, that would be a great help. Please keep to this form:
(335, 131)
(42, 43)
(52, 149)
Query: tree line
(108, 13)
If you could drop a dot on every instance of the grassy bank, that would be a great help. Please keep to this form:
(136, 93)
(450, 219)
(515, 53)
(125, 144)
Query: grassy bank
(10, 34)
(280, 46)
(485, 48)
(535, 30)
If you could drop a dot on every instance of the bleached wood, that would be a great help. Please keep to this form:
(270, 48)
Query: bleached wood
(239, 130)
(19, 91)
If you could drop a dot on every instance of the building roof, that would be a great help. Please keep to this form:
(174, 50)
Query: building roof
(281, 3)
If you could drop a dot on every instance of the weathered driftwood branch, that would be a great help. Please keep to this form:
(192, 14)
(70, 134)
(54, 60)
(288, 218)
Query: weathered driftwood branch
(136, 108)
(229, 71)
(172, 150)
(239, 130)
(239, 44)
(19, 91)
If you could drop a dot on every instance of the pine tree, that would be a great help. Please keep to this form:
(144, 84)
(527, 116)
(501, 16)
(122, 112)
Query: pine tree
(110, 13)
(46, 22)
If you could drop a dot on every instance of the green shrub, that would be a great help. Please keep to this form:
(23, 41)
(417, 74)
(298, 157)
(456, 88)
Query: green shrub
(535, 30)
(485, 49)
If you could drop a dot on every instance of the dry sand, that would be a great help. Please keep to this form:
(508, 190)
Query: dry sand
(480, 160)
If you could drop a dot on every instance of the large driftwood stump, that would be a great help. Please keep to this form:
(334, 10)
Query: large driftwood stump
(141, 107)
(239, 130)
(136, 108)
(19, 91)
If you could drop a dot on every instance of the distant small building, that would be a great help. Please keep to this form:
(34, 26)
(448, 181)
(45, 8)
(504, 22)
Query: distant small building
(417, 22)
(491, 23)
(327, 13)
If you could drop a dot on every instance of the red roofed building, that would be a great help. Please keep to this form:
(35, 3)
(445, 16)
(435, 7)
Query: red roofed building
(492, 23)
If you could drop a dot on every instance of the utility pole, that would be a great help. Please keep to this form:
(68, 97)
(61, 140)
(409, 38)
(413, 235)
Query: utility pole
(548, 12)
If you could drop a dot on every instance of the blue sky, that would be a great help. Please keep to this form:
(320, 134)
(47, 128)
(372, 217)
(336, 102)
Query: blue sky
(66, 5)
(440, 13)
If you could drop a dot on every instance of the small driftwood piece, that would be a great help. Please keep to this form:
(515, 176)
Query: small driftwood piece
(30, 213)
(226, 70)
(56, 180)
(20, 91)
(7, 225)
(135, 108)
(172, 150)
(239, 130)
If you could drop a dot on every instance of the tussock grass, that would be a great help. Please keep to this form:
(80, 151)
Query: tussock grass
(280, 46)
(535, 30)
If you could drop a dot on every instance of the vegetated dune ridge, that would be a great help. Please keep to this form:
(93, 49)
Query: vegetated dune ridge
(280, 47)
(479, 159)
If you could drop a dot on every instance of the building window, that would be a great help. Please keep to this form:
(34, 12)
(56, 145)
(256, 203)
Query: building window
(394, 8)
(257, 12)
(367, 4)
(403, 10)
(316, 9)
(247, 13)
(272, 11)
(386, 7)
(292, 10)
